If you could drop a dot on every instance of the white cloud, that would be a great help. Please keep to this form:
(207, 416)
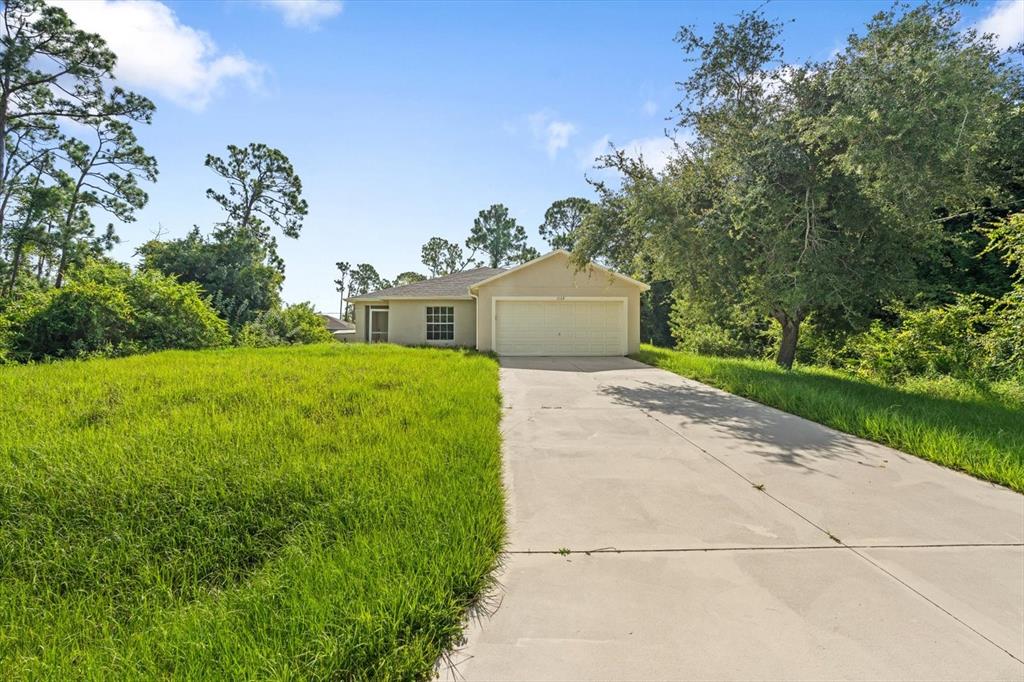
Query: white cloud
(157, 53)
(650, 107)
(1006, 21)
(306, 13)
(655, 151)
(552, 133)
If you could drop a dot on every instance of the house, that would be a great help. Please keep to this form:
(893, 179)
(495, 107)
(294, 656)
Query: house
(339, 329)
(546, 306)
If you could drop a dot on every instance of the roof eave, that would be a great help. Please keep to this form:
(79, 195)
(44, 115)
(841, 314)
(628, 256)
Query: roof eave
(359, 299)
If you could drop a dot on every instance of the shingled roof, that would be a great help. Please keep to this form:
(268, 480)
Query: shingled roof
(455, 285)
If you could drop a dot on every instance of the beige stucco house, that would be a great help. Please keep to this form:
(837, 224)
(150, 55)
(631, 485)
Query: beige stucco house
(544, 307)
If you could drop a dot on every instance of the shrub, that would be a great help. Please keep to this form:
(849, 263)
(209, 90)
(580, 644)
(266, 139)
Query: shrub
(106, 310)
(1004, 344)
(944, 340)
(231, 268)
(294, 324)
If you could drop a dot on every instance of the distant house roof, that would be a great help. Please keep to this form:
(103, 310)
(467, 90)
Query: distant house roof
(455, 285)
(335, 325)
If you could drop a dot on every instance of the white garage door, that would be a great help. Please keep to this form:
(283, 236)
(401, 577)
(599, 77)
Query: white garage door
(566, 327)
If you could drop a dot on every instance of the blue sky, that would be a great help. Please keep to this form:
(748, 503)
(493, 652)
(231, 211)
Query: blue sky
(404, 120)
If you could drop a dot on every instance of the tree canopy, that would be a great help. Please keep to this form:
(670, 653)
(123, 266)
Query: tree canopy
(264, 192)
(52, 174)
(563, 220)
(442, 257)
(499, 238)
(814, 189)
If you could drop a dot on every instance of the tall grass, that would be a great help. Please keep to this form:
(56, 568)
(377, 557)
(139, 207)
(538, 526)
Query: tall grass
(319, 511)
(974, 428)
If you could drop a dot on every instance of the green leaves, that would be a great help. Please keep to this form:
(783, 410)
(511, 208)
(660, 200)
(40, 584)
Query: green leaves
(442, 257)
(263, 191)
(500, 238)
(107, 310)
(53, 74)
(813, 188)
(562, 221)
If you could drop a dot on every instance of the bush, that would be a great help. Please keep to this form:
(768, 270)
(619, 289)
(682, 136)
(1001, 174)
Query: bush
(940, 341)
(230, 267)
(294, 324)
(106, 310)
(1004, 344)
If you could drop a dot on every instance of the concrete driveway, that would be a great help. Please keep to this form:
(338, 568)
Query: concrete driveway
(710, 537)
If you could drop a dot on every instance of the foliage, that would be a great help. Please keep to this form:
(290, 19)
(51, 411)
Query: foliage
(365, 279)
(229, 266)
(106, 310)
(723, 328)
(943, 340)
(294, 324)
(655, 311)
(500, 238)
(52, 174)
(958, 424)
(812, 189)
(442, 257)
(264, 191)
(409, 277)
(275, 513)
(562, 221)
(974, 337)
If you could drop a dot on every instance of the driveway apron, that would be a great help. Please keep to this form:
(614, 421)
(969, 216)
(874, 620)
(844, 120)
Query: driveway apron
(663, 529)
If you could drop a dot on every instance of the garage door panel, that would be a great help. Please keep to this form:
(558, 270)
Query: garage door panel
(560, 327)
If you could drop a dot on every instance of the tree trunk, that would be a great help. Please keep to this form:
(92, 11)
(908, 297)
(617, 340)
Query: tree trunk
(15, 266)
(790, 335)
(61, 266)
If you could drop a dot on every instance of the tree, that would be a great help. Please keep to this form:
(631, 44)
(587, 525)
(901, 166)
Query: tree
(500, 238)
(812, 189)
(263, 192)
(408, 277)
(562, 221)
(51, 74)
(105, 175)
(344, 268)
(365, 279)
(442, 257)
(230, 268)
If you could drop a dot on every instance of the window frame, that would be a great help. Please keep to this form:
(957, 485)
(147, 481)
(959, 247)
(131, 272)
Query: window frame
(440, 323)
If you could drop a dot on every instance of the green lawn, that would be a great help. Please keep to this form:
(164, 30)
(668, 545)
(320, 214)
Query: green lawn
(308, 512)
(975, 429)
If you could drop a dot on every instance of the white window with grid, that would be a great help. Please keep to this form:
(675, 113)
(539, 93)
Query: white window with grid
(440, 323)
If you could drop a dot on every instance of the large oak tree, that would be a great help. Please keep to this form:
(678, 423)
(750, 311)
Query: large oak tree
(815, 189)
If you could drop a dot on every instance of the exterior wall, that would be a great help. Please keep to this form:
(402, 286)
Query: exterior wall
(555, 277)
(407, 322)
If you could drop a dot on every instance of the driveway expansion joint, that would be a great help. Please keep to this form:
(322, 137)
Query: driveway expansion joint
(761, 548)
(839, 544)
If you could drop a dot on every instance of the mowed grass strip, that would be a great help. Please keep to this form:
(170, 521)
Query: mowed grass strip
(307, 512)
(972, 428)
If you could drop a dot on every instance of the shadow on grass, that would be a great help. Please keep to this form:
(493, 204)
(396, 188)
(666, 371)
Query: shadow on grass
(931, 426)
